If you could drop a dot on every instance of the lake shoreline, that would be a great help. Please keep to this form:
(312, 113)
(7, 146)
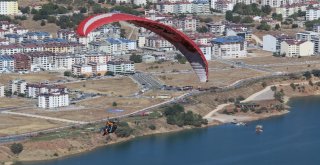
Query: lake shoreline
(158, 132)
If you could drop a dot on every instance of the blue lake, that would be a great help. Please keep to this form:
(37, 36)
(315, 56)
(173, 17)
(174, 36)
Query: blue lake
(291, 139)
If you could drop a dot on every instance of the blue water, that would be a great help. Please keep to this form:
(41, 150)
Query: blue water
(291, 139)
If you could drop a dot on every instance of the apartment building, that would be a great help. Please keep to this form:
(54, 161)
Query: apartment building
(296, 48)
(229, 47)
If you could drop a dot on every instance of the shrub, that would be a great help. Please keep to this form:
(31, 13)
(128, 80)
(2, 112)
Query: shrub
(123, 130)
(152, 127)
(16, 148)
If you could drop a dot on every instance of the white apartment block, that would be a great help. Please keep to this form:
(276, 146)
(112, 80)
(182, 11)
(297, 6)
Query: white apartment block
(159, 43)
(217, 28)
(18, 86)
(53, 100)
(223, 6)
(307, 35)
(229, 47)
(287, 10)
(6, 63)
(140, 2)
(9, 8)
(34, 90)
(272, 43)
(206, 50)
(121, 67)
(114, 46)
(2, 90)
(296, 48)
(312, 14)
(81, 69)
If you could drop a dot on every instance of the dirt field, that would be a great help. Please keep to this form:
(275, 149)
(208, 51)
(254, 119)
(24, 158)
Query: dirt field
(170, 66)
(216, 78)
(276, 60)
(35, 26)
(10, 124)
(16, 102)
(32, 77)
(100, 108)
(114, 86)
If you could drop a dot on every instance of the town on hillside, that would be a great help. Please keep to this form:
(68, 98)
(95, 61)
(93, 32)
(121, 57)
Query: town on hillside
(52, 78)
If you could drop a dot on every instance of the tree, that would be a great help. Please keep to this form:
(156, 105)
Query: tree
(25, 10)
(83, 10)
(123, 130)
(247, 19)
(67, 73)
(229, 16)
(136, 58)
(266, 9)
(114, 104)
(293, 26)
(16, 148)
(7, 93)
(51, 19)
(202, 29)
(273, 88)
(109, 73)
(181, 59)
(264, 84)
(308, 75)
(293, 86)
(264, 26)
(43, 23)
(277, 27)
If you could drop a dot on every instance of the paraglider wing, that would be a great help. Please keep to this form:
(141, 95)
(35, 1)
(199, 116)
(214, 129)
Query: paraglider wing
(182, 42)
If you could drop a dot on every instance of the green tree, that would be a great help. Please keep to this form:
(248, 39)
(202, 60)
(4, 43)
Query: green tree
(308, 75)
(181, 59)
(229, 16)
(67, 73)
(16, 148)
(293, 26)
(109, 73)
(136, 58)
(277, 27)
(202, 29)
(266, 9)
(83, 10)
(43, 23)
(123, 130)
(114, 104)
(264, 26)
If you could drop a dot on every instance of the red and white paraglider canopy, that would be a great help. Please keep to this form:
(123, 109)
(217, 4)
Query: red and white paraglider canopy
(181, 41)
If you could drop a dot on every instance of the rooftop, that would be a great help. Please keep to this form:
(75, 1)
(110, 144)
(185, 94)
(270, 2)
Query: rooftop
(228, 39)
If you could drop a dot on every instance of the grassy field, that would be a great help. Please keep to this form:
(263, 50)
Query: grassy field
(11, 124)
(114, 86)
(216, 78)
(16, 102)
(97, 108)
(32, 77)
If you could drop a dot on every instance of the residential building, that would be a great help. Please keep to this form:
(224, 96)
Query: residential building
(140, 2)
(223, 5)
(98, 68)
(37, 35)
(34, 90)
(2, 94)
(312, 14)
(42, 60)
(116, 46)
(296, 48)
(206, 50)
(229, 47)
(81, 69)
(121, 67)
(287, 10)
(6, 63)
(272, 43)
(9, 7)
(22, 62)
(158, 43)
(148, 59)
(306, 35)
(217, 28)
(17, 86)
(53, 100)
(201, 7)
